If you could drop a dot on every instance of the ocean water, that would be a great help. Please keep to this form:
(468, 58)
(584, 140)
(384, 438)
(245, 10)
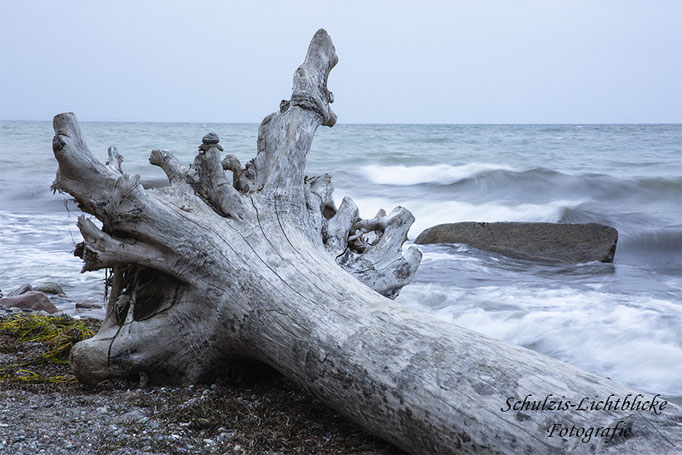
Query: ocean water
(621, 320)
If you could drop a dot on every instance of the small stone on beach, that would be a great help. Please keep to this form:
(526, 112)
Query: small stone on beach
(33, 300)
(87, 305)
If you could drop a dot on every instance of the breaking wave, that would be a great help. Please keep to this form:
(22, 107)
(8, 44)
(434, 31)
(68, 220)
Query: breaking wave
(442, 174)
(501, 178)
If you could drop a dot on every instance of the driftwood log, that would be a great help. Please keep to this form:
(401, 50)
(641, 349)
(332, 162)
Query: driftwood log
(263, 265)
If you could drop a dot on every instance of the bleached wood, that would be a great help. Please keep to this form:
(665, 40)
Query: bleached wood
(205, 271)
(115, 159)
(174, 170)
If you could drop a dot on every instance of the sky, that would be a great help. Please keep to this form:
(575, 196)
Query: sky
(477, 61)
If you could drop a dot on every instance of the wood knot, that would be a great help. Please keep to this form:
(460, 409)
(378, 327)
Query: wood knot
(58, 143)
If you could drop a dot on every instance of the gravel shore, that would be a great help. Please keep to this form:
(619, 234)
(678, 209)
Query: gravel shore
(251, 409)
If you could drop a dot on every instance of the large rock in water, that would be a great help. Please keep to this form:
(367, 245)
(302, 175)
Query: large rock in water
(546, 242)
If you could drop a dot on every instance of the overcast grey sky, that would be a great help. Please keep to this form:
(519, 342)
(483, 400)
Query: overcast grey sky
(523, 61)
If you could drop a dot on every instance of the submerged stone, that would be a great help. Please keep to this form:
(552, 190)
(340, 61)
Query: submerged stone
(544, 242)
(50, 287)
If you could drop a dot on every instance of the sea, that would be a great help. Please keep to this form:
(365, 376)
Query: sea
(621, 320)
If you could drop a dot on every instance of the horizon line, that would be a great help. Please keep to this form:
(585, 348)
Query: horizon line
(371, 123)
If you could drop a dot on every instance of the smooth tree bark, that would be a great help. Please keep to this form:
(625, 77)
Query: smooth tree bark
(262, 264)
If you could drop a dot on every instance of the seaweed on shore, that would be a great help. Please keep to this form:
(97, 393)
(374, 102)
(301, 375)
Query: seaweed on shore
(48, 340)
(249, 408)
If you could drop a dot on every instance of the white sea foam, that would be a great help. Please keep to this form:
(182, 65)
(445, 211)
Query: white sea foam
(430, 213)
(439, 173)
(34, 252)
(632, 339)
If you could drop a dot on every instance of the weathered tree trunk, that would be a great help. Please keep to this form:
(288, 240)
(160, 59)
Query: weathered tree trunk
(207, 269)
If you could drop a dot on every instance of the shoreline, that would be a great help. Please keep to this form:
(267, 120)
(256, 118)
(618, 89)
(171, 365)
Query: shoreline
(251, 409)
